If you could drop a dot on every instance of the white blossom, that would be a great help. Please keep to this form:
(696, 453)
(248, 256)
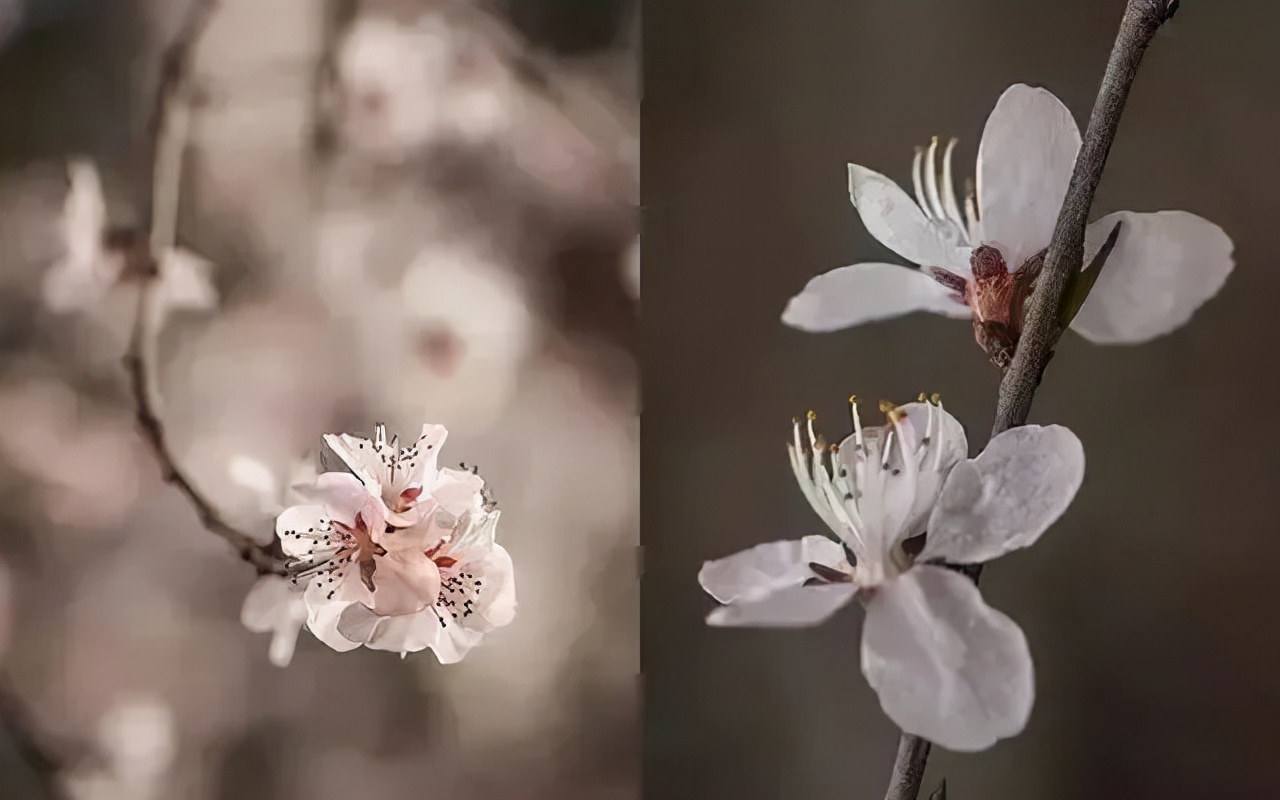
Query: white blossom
(400, 555)
(403, 87)
(274, 605)
(1165, 264)
(899, 498)
(89, 269)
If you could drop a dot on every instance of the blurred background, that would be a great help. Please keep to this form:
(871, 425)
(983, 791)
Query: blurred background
(416, 210)
(1147, 606)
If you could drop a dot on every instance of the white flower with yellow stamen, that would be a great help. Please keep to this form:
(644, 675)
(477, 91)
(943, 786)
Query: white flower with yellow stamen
(896, 497)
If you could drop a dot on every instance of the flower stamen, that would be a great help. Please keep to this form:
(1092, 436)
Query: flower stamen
(917, 180)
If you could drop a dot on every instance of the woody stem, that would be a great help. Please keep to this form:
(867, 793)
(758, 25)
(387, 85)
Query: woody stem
(1041, 330)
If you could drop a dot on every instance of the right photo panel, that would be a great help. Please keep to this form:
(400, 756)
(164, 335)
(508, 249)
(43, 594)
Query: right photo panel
(957, 476)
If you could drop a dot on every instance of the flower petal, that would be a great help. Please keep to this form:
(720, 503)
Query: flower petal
(1025, 160)
(496, 605)
(1007, 497)
(268, 603)
(455, 490)
(408, 633)
(360, 456)
(405, 582)
(867, 292)
(793, 607)
(764, 569)
(1165, 265)
(899, 224)
(344, 496)
(325, 604)
(293, 525)
(947, 666)
(186, 281)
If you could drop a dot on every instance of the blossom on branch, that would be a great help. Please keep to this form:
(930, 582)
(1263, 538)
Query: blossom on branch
(97, 258)
(979, 260)
(396, 555)
(900, 499)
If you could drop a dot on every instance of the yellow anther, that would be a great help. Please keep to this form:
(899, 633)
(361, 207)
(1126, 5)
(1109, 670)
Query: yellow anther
(886, 406)
(921, 398)
(935, 398)
(812, 416)
(853, 399)
(835, 448)
(895, 414)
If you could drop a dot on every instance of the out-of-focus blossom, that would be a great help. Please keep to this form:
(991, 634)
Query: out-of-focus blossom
(398, 556)
(982, 262)
(137, 737)
(274, 605)
(405, 86)
(946, 666)
(89, 269)
(94, 489)
(452, 343)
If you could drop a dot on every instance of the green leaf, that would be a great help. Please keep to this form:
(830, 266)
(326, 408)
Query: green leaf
(1081, 283)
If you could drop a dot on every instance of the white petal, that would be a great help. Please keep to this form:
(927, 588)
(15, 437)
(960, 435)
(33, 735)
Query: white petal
(793, 607)
(284, 642)
(867, 292)
(1007, 497)
(1165, 265)
(84, 213)
(323, 622)
(303, 519)
(186, 281)
(360, 456)
(267, 603)
(344, 496)
(275, 605)
(899, 224)
(948, 667)
(1025, 160)
(497, 604)
(324, 612)
(408, 633)
(758, 572)
(455, 490)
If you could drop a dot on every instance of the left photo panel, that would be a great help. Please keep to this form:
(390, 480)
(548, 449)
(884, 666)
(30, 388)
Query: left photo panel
(319, 399)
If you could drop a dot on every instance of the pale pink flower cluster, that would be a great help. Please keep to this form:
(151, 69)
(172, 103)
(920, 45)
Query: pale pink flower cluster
(397, 554)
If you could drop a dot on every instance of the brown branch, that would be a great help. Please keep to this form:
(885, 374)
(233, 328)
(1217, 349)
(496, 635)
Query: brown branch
(263, 557)
(1065, 257)
(175, 67)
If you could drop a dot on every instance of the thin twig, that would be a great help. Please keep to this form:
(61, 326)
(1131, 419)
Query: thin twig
(1065, 256)
(1041, 330)
(261, 556)
(169, 129)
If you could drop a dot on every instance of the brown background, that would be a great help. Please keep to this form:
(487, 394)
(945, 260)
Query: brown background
(1151, 607)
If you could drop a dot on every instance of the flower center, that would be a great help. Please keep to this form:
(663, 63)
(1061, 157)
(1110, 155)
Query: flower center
(336, 547)
(459, 587)
(865, 488)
